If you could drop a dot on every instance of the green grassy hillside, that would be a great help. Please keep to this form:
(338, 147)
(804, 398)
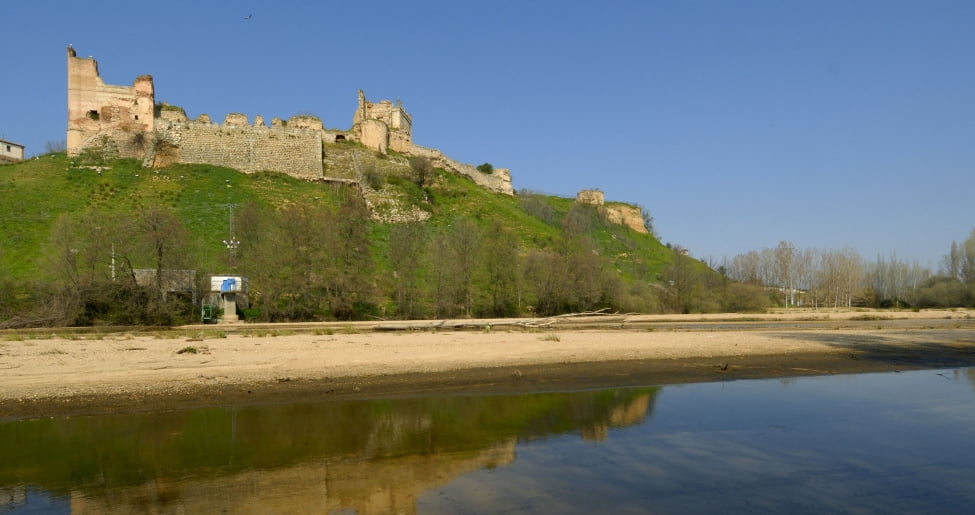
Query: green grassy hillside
(34, 194)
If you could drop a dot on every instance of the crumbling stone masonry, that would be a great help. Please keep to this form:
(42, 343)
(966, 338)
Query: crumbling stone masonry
(621, 214)
(237, 144)
(124, 121)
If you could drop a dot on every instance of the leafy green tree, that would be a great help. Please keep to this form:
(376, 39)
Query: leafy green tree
(580, 219)
(686, 287)
(536, 204)
(543, 273)
(309, 261)
(407, 256)
(500, 258)
(445, 288)
(744, 298)
(571, 278)
(94, 260)
(456, 259)
(350, 267)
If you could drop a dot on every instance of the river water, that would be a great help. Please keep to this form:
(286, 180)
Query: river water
(869, 443)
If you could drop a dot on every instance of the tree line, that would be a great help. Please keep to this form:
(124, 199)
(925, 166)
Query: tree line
(329, 261)
(309, 262)
(323, 261)
(842, 278)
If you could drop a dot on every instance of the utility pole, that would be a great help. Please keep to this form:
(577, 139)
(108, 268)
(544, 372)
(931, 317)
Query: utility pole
(232, 242)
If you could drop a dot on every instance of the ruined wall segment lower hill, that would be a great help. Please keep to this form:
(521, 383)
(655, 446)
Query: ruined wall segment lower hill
(498, 181)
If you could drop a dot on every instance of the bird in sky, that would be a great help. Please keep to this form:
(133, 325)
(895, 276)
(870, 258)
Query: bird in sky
(249, 16)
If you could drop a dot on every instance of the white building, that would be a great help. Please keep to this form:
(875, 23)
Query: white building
(11, 152)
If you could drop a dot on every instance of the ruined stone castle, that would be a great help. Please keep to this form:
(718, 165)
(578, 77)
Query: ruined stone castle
(125, 121)
(622, 214)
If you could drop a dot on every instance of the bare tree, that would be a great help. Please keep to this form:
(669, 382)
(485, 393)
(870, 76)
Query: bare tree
(422, 170)
(952, 262)
(968, 259)
(55, 146)
(805, 273)
(745, 268)
(841, 275)
(784, 271)
(163, 240)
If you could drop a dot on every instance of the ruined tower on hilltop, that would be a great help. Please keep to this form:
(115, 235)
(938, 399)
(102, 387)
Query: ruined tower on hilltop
(382, 125)
(126, 122)
(95, 108)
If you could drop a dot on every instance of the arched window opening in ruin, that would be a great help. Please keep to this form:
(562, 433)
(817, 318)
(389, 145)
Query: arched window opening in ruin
(93, 114)
(340, 137)
(137, 117)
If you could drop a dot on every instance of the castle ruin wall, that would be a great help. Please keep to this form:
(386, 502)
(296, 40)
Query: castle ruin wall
(592, 197)
(374, 134)
(248, 148)
(630, 216)
(95, 107)
(498, 181)
(400, 142)
(615, 213)
(124, 121)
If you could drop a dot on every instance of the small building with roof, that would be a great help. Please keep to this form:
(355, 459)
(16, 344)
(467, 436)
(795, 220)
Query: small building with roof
(11, 152)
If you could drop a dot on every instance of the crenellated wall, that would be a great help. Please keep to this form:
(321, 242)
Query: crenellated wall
(124, 121)
(248, 148)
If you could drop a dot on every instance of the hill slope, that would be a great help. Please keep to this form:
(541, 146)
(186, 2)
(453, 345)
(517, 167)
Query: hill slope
(36, 194)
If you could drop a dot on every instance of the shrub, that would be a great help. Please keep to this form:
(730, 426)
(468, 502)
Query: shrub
(745, 298)
(422, 168)
(485, 168)
(373, 177)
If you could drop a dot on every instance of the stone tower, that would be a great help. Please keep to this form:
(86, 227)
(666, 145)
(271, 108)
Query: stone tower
(382, 125)
(95, 108)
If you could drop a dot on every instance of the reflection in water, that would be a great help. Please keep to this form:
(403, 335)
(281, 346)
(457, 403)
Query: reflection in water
(367, 456)
(874, 443)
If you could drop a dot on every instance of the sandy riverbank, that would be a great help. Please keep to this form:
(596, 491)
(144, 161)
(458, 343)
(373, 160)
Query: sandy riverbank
(44, 375)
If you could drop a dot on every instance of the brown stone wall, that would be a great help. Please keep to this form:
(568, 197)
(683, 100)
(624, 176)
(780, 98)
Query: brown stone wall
(95, 107)
(305, 122)
(297, 152)
(591, 197)
(374, 134)
(499, 181)
(627, 215)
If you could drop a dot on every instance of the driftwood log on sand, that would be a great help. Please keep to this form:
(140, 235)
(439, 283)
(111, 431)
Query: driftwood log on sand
(601, 316)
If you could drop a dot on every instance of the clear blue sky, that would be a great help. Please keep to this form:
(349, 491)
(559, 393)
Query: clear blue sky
(738, 124)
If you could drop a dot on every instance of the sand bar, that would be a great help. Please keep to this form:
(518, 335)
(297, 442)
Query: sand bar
(47, 373)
